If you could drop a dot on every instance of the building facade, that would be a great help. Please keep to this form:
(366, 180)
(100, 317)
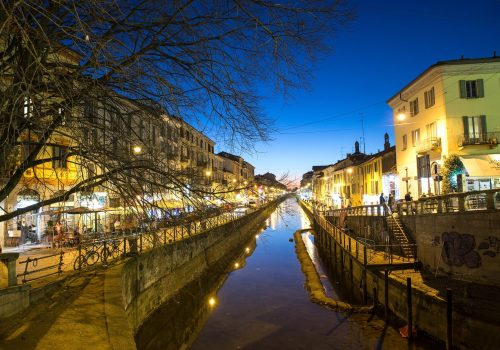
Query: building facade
(452, 108)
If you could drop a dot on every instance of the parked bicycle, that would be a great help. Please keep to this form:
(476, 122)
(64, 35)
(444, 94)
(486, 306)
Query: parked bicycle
(110, 250)
(85, 258)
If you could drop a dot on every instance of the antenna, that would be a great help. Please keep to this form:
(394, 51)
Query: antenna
(363, 133)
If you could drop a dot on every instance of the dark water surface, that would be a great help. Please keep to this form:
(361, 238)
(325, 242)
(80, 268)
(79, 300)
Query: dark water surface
(262, 304)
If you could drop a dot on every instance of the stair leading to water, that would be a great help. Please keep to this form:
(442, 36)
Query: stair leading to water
(396, 227)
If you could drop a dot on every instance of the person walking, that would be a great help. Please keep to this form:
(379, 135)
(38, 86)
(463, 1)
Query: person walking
(408, 197)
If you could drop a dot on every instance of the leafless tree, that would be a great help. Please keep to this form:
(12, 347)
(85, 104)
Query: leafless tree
(137, 61)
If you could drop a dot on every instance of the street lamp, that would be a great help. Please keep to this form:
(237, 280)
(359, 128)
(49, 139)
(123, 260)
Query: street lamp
(401, 116)
(137, 149)
(208, 173)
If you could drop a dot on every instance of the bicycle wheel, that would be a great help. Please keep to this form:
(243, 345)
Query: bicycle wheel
(79, 262)
(92, 258)
(115, 251)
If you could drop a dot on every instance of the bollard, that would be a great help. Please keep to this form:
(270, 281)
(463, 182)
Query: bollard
(386, 294)
(8, 274)
(449, 324)
(409, 309)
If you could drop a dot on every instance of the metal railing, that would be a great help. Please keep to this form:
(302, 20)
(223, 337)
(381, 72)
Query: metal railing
(40, 267)
(486, 138)
(430, 144)
(103, 248)
(452, 203)
(364, 250)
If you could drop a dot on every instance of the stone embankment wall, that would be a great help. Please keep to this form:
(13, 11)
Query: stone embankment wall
(149, 279)
(466, 245)
(471, 330)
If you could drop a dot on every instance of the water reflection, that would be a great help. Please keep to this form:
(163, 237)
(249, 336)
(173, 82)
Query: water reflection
(262, 304)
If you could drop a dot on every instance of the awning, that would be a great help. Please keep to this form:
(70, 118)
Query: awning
(482, 165)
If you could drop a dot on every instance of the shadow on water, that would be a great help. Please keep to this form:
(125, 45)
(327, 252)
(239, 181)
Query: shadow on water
(263, 304)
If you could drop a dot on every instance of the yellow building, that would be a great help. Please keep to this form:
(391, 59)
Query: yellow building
(453, 107)
(358, 179)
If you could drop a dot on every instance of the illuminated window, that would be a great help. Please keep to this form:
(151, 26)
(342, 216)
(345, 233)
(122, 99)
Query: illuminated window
(415, 137)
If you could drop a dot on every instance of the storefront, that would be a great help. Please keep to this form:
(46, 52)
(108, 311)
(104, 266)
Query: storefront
(25, 227)
(483, 173)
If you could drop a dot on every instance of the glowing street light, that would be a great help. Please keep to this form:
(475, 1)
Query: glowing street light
(208, 173)
(137, 149)
(401, 117)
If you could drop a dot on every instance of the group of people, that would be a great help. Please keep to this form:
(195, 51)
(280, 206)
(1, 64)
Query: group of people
(391, 201)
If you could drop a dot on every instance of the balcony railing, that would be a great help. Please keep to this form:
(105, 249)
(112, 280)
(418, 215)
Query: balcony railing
(430, 144)
(487, 138)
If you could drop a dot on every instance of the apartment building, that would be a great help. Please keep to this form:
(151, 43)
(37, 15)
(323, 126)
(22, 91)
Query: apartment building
(453, 107)
(358, 179)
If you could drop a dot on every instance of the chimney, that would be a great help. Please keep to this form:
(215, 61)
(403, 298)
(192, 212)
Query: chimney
(387, 145)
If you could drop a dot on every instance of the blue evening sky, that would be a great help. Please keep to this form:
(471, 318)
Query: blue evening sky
(386, 47)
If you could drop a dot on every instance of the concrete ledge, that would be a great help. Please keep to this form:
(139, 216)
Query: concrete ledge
(14, 300)
(313, 282)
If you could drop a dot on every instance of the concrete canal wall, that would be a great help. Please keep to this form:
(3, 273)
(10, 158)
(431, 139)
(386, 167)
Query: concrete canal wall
(149, 279)
(472, 330)
(465, 244)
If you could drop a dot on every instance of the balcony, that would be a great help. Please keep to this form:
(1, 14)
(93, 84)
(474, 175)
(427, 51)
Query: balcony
(487, 138)
(432, 144)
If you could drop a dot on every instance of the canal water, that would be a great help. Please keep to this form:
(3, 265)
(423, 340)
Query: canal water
(259, 302)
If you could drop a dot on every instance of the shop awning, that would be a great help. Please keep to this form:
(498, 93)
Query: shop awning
(486, 165)
(80, 210)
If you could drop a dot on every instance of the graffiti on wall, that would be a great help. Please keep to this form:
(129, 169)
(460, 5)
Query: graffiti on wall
(489, 246)
(458, 250)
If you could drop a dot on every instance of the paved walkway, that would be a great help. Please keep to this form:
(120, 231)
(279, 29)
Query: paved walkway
(80, 315)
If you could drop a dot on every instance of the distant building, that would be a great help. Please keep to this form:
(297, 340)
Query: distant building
(453, 107)
(358, 179)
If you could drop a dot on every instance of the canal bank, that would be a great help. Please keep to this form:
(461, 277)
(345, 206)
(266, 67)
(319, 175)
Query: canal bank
(470, 329)
(264, 304)
(103, 307)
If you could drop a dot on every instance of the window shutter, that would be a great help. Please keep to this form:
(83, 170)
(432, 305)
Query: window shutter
(480, 88)
(466, 126)
(426, 99)
(463, 93)
(483, 124)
